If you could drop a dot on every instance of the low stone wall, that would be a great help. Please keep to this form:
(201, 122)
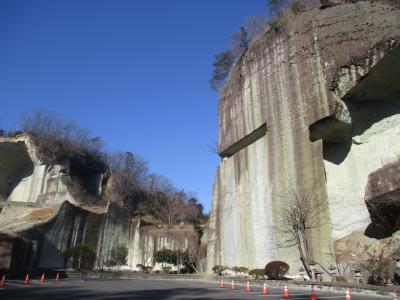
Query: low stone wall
(336, 287)
(137, 275)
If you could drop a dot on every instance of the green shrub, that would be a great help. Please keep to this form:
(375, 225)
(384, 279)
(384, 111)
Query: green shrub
(82, 256)
(257, 273)
(222, 64)
(243, 269)
(218, 269)
(119, 254)
(276, 269)
(165, 256)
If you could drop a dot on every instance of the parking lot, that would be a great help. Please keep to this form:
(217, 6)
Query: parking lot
(149, 289)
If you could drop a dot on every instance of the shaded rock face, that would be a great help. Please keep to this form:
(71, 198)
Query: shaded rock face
(16, 165)
(40, 217)
(327, 90)
(383, 201)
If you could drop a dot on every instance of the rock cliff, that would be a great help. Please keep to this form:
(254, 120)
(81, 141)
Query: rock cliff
(43, 212)
(312, 106)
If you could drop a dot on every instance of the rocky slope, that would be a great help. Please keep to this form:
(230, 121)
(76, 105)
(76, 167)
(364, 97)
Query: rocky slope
(310, 107)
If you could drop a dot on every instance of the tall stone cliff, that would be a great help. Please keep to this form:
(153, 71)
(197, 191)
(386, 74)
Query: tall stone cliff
(313, 106)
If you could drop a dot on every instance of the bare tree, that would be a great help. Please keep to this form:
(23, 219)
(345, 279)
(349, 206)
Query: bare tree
(128, 177)
(147, 256)
(299, 216)
(175, 208)
(58, 138)
(195, 253)
(158, 183)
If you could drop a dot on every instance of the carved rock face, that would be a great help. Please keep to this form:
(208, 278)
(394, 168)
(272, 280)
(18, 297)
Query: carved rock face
(327, 88)
(382, 197)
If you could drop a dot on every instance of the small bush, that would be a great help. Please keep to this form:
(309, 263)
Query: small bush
(165, 256)
(119, 254)
(235, 269)
(218, 269)
(243, 269)
(276, 269)
(82, 256)
(257, 273)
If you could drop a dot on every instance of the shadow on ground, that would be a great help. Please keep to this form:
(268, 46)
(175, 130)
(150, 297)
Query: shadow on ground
(39, 293)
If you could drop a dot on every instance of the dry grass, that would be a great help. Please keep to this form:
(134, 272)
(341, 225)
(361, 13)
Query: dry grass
(42, 214)
(95, 209)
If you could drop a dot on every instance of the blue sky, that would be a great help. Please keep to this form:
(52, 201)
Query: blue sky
(133, 72)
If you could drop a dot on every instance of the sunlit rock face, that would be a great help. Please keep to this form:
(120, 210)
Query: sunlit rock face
(25, 178)
(147, 238)
(326, 88)
(42, 213)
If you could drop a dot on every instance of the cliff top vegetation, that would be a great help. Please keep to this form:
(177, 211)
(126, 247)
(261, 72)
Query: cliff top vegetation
(128, 181)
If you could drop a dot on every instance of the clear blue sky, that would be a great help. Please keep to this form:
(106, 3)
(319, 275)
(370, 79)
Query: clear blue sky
(133, 72)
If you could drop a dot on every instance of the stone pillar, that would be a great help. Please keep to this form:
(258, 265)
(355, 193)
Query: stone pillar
(312, 268)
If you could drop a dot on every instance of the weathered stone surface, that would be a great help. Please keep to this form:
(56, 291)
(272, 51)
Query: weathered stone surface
(148, 238)
(24, 178)
(356, 248)
(326, 88)
(382, 196)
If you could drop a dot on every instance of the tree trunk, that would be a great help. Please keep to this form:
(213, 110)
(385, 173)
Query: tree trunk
(303, 254)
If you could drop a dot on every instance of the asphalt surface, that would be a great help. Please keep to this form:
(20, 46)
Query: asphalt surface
(149, 289)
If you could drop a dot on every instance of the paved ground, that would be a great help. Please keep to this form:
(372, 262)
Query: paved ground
(147, 289)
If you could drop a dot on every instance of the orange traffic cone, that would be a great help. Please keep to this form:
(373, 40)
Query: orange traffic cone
(286, 292)
(264, 289)
(58, 277)
(26, 281)
(394, 295)
(221, 283)
(248, 288)
(3, 281)
(233, 285)
(42, 279)
(313, 296)
(348, 297)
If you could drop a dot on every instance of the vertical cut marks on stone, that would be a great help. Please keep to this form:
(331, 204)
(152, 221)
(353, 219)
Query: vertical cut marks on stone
(15, 165)
(382, 83)
(372, 89)
(246, 141)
